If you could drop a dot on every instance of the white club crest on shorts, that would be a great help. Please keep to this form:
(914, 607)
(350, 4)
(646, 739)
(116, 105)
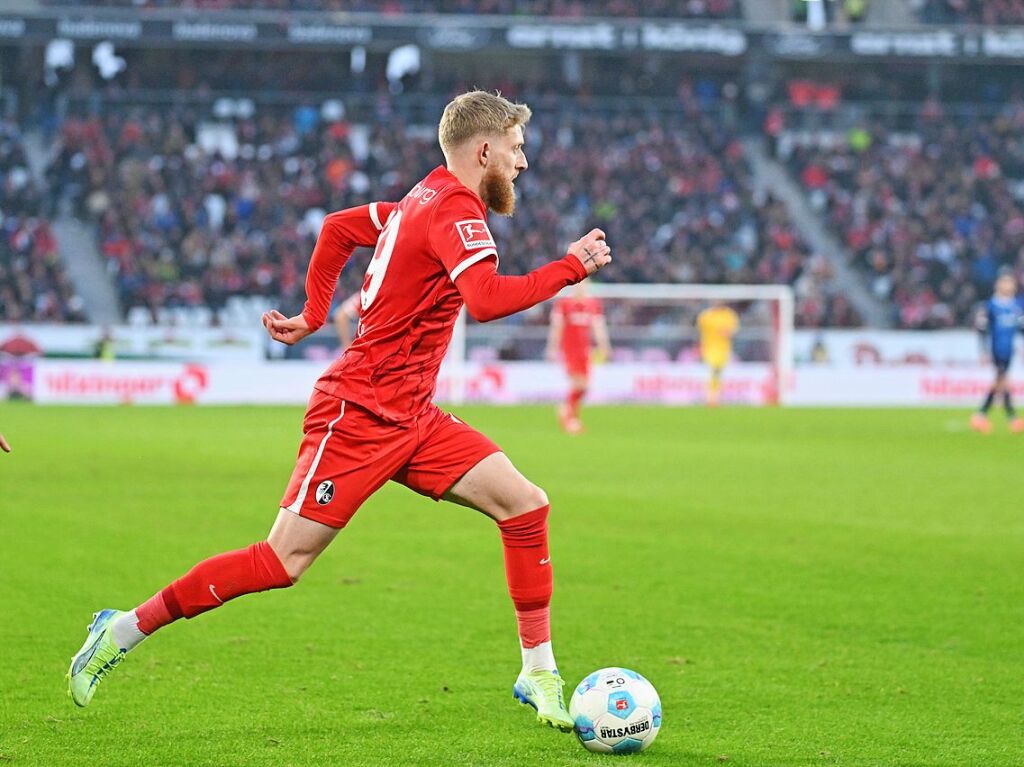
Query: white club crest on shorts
(474, 233)
(325, 492)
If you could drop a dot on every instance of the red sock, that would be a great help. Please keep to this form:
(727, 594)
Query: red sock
(575, 397)
(528, 570)
(534, 626)
(213, 582)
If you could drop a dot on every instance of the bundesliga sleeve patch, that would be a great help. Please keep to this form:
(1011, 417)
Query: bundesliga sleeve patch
(474, 234)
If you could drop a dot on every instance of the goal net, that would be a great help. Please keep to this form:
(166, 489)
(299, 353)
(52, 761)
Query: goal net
(655, 357)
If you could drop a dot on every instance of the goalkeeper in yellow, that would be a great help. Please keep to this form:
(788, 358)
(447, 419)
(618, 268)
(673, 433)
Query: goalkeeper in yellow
(717, 325)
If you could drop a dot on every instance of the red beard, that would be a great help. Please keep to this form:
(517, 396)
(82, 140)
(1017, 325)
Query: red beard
(498, 193)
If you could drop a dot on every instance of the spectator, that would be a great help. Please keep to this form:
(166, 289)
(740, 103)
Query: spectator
(33, 284)
(989, 12)
(190, 213)
(929, 215)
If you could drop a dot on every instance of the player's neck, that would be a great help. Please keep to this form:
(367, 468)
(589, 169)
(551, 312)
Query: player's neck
(471, 178)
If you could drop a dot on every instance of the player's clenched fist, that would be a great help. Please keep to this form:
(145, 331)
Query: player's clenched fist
(592, 251)
(287, 330)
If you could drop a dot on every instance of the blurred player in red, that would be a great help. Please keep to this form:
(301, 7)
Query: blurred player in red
(578, 330)
(371, 419)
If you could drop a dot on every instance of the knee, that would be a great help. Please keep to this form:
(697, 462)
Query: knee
(529, 499)
(535, 498)
(294, 562)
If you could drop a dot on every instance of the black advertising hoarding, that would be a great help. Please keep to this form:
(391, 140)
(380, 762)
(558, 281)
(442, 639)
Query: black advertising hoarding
(459, 33)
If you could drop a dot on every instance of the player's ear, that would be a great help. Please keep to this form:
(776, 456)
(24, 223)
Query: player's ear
(482, 153)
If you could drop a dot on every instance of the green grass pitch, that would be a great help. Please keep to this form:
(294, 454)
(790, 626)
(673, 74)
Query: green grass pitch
(803, 587)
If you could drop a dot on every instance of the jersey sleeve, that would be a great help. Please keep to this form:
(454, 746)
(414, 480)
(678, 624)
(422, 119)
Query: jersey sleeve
(341, 233)
(459, 234)
(490, 296)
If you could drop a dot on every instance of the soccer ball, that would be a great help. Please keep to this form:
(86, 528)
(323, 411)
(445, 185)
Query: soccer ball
(616, 711)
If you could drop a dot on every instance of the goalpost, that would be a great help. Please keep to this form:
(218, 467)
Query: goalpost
(653, 332)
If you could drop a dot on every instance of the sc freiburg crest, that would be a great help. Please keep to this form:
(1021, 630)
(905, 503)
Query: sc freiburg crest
(325, 492)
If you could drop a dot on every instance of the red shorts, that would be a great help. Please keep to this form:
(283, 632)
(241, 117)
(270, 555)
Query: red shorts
(348, 453)
(577, 364)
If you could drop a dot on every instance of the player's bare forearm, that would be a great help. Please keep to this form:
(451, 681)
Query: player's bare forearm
(3, 444)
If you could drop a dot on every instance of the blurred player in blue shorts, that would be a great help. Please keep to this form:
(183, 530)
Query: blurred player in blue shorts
(999, 321)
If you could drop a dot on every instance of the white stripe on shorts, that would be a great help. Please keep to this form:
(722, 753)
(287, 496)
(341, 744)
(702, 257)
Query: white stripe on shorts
(296, 506)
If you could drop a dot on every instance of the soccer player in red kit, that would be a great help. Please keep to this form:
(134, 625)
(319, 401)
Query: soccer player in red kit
(370, 418)
(577, 327)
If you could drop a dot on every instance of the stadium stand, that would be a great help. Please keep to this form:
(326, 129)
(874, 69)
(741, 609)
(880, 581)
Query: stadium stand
(970, 11)
(33, 284)
(192, 211)
(719, 9)
(930, 214)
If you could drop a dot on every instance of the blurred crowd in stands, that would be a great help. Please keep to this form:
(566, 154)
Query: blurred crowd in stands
(33, 284)
(560, 8)
(930, 215)
(193, 206)
(191, 211)
(970, 11)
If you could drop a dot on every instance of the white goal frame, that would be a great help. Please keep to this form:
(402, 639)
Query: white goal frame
(781, 294)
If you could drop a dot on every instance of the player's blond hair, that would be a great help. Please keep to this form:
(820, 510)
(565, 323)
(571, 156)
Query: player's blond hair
(478, 112)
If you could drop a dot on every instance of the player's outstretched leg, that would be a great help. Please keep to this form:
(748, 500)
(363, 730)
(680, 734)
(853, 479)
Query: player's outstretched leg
(276, 563)
(206, 586)
(520, 508)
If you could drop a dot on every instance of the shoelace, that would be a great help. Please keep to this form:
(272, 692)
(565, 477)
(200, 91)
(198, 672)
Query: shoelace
(552, 686)
(107, 666)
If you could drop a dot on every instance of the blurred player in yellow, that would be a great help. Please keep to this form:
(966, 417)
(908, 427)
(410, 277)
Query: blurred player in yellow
(717, 325)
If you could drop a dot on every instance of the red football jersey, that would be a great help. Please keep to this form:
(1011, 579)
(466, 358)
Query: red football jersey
(409, 302)
(578, 319)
